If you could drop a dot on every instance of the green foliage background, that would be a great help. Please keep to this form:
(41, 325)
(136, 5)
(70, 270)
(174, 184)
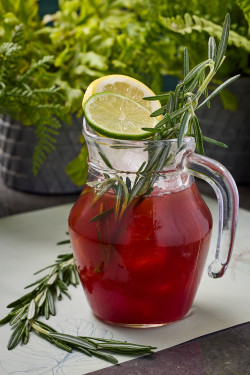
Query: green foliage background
(141, 38)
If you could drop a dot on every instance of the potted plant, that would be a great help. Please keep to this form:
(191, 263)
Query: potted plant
(32, 114)
(34, 120)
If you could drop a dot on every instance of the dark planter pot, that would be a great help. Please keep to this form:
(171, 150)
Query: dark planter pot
(16, 149)
(231, 128)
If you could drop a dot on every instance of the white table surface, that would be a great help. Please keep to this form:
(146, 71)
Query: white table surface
(28, 243)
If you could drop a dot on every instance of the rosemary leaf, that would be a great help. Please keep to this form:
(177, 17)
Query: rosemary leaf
(16, 336)
(25, 335)
(105, 357)
(42, 299)
(43, 269)
(46, 309)
(213, 141)
(128, 184)
(212, 49)
(61, 284)
(198, 136)
(64, 257)
(138, 188)
(186, 62)
(52, 279)
(171, 103)
(75, 340)
(154, 158)
(61, 345)
(151, 130)
(180, 111)
(83, 350)
(105, 187)
(31, 310)
(36, 282)
(183, 127)
(18, 316)
(118, 199)
(193, 73)
(66, 293)
(102, 215)
(75, 280)
(158, 97)
(163, 158)
(218, 89)
(195, 82)
(162, 122)
(176, 98)
(7, 319)
(106, 161)
(51, 303)
(22, 300)
(160, 111)
(63, 242)
(223, 42)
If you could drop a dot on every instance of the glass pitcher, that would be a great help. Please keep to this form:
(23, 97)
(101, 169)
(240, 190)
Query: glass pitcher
(140, 230)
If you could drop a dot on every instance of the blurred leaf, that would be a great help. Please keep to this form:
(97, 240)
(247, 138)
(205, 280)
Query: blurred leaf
(245, 7)
(94, 60)
(73, 97)
(77, 169)
(200, 24)
(229, 100)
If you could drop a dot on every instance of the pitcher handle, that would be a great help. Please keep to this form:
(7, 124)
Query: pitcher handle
(228, 203)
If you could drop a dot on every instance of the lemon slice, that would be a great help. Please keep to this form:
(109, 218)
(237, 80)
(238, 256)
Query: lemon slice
(123, 85)
(117, 116)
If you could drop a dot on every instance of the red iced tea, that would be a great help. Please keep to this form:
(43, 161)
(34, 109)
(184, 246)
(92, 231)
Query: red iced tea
(144, 269)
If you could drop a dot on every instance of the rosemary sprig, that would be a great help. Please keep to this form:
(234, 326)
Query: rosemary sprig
(179, 120)
(179, 110)
(26, 310)
(41, 300)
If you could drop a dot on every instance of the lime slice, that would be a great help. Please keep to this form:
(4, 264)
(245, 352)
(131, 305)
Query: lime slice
(117, 116)
(123, 85)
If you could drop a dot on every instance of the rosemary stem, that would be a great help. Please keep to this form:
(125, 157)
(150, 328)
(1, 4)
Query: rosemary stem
(207, 79)
(38, 329)
(191, 109)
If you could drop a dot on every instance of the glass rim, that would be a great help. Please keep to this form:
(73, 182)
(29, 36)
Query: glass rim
(88, 135)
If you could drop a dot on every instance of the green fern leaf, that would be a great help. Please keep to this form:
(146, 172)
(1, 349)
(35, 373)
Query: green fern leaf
(9, 53)
(18, 92)
(10, 49)
(77, 169)
(18, 35)
(45, 135)
(53, 90)
(35, 65)
(245, 7)
(56, 108)
(26, 97)
(189, 24)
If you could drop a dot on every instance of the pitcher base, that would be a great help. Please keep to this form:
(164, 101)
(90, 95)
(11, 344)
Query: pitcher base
(128, 325)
